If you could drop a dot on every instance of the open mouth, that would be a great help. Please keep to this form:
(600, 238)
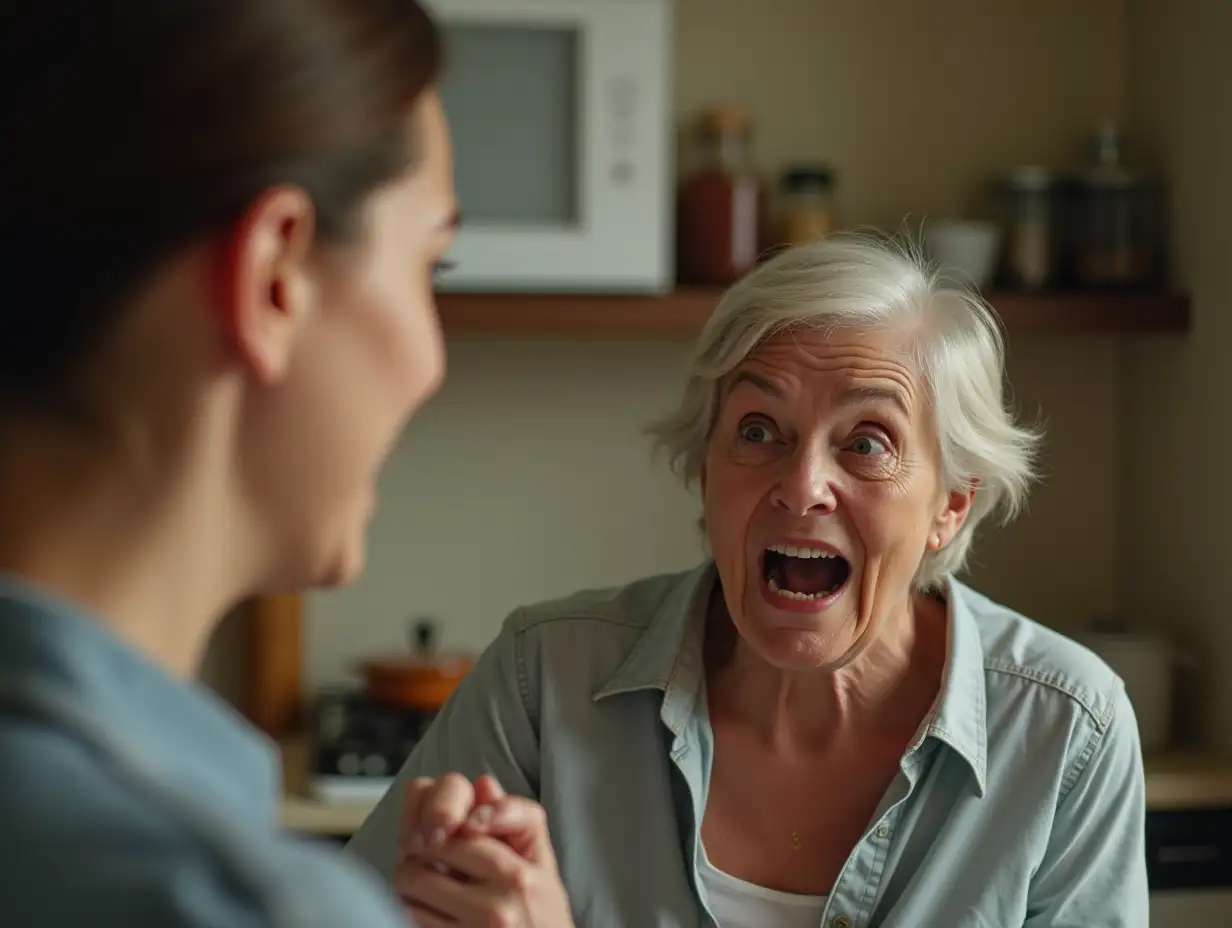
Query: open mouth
(802, 573)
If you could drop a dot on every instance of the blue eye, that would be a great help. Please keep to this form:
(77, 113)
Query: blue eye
(755, 433)
(868, 445)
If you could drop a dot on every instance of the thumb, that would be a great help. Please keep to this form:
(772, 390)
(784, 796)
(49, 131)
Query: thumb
(488, 791)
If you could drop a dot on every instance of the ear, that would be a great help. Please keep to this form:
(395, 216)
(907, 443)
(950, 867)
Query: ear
(955, 509)
(267, 289)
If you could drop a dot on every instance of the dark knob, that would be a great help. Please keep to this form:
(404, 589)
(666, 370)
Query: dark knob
(423, 636)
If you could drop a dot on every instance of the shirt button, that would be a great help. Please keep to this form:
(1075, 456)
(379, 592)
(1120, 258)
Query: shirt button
(841, 921)
(883, 832)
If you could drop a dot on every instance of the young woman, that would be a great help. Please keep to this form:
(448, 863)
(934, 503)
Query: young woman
(219, 223)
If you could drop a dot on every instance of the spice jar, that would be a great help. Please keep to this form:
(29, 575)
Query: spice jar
(1117, 221)
(721, 208)
(1030, 202)
(806, 211)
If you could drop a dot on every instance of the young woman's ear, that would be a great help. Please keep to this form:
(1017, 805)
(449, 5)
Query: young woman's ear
(267, 289)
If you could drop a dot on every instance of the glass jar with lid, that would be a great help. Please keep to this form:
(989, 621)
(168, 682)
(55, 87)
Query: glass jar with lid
(1030, 200)
(806, 204)
(721, 207)
(1117, 215)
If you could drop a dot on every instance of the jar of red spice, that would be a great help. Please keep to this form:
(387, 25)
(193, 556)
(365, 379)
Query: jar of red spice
(722, 206)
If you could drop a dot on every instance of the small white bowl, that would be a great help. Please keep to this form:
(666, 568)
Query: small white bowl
(964, 249)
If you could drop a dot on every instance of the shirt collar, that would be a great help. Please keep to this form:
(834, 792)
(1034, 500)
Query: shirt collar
(668, 655)
(960, 714)
(179, 730)
(673, 634)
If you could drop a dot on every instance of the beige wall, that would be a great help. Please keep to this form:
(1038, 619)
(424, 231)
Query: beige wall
(528, 477)
(1177, 440)
(916, 102)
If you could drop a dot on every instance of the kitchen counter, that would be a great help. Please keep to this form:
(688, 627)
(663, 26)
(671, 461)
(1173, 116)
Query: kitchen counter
(1173, 781)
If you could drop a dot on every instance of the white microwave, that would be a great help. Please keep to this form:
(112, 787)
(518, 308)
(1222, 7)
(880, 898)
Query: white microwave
(560, 115)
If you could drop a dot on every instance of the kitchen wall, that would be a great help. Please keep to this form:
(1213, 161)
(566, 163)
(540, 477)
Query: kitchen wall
(1176, 499)
(528, 476)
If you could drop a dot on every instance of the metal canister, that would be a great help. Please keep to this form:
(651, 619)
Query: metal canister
(1117, 217)
(1030, 202)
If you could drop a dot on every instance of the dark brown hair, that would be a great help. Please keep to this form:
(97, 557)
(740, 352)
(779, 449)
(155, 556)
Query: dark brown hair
(132, 128)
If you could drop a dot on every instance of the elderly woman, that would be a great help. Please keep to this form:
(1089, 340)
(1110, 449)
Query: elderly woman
(821, 725)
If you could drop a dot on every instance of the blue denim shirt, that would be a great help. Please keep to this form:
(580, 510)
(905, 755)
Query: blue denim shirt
(129, 799)
(1020, 803)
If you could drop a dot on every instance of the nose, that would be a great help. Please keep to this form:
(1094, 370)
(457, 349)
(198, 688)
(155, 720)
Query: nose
(805, 484)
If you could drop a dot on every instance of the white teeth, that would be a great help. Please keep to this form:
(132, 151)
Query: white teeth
(791, 594)
(794, 551)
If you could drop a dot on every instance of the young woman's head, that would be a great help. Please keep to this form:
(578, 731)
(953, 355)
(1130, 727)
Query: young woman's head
(218, 232)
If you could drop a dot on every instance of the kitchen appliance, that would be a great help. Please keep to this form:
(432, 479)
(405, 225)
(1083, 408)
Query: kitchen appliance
(363, 736)
(359, 743)
(560, 117)
(1189, 867)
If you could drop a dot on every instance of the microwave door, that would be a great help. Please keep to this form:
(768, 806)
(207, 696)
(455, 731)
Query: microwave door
(561, 144)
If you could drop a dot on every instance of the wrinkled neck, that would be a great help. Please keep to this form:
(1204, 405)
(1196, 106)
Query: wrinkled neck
(882, 694)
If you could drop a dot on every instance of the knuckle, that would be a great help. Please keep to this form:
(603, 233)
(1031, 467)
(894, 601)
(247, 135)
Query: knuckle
(511, 873)
(503, 914)
(538, 815)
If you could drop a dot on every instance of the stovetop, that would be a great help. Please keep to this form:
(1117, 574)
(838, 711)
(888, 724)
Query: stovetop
(358, 744)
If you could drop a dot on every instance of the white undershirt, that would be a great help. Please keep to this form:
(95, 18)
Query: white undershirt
(737, 904)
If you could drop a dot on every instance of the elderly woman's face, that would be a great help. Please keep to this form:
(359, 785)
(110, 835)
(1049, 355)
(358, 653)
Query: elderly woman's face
(822, 492)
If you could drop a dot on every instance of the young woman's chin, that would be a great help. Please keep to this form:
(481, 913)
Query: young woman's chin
(346, 553)
(342, 571)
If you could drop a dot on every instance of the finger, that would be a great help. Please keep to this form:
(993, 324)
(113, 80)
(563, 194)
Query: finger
(412, 795)
(443, 807)
(446, 897)
(408, 818)
(426, 918)
(523, 825)
(482, 860)
(488, 793)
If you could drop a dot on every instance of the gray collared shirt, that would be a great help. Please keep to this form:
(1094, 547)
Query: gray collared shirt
(129, 799)
(1020, 803)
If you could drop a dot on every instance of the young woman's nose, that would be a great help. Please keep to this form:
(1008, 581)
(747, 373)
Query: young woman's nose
(805, 484)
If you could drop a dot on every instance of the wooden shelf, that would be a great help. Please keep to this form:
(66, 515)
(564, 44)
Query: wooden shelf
(683, 312)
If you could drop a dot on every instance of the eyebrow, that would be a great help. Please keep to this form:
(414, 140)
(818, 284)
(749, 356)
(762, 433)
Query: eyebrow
(849, 397)
(855, 395)
(764, 384)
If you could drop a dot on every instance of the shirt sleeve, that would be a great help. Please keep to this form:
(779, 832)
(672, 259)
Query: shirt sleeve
(486, 728)
(144, 882)
(1093, 874)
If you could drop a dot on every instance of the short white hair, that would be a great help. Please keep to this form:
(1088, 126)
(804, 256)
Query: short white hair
(872, 282)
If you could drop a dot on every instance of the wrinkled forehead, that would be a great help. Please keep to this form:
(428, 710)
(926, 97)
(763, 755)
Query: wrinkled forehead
(840, 363)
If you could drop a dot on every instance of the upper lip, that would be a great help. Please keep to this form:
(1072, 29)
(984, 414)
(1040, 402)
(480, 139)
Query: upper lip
(804, 543)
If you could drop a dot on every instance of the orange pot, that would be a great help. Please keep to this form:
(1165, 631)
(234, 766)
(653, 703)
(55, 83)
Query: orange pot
(422, 679)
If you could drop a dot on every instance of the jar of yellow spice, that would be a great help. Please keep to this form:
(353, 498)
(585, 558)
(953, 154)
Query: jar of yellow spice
(806, 204)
